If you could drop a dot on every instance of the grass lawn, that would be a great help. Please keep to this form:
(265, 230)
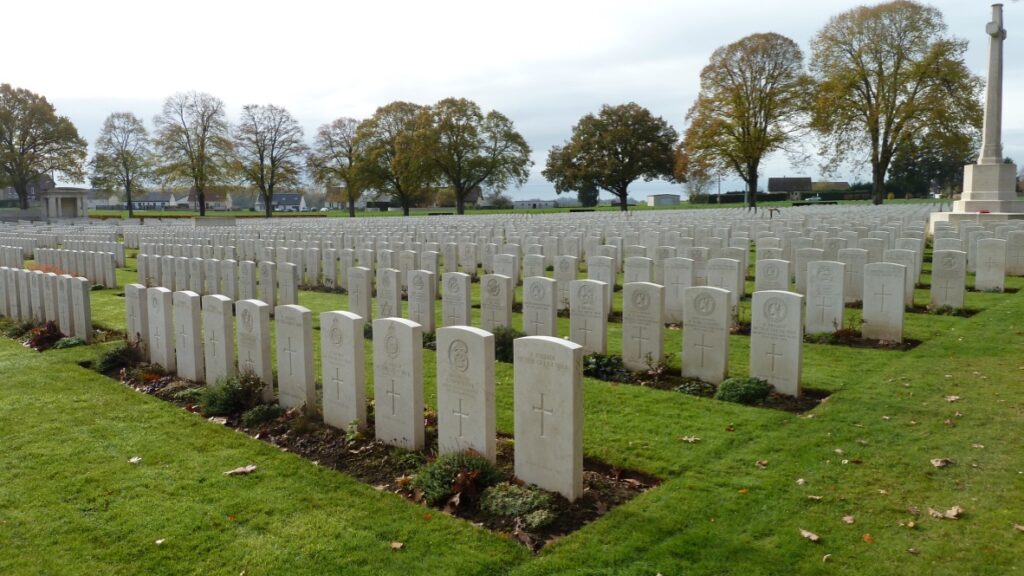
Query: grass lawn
(72, 504)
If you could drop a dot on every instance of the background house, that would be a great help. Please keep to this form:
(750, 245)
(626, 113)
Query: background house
(534, 204)
(790, 186)
(43, 183)
(284, 202)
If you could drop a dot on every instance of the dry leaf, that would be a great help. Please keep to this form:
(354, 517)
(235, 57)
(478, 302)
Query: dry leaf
(838, 451)
(762, 464)
(868, 538)
(1018, 527)
(218, 420)
(913, 551)
(908, 524)
(886, 418)
(941, 462)
(810, 535)
(952, 398)
(826, 557)
(744, 490)
(934, 513)
(815, 498)
(135, 459)
(730, 428)
(800, 481)
(159, 542)
(690, 439)
(914, 510)
(848, 520)
(396, 546)
(248, 469)
(404, 480)
(427, 517)
(953, 513)
(977, 445)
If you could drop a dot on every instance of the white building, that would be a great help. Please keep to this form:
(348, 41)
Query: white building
(662, 199)
(534, 204)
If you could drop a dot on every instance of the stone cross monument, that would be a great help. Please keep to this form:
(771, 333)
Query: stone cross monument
(990, 186)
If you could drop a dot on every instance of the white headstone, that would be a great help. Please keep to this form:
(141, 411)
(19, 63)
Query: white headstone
(588, 315)
(341, 356)
(776, 339)
(642, 325)
(398, 382)
(465, 391)
(549, 414)
(706, 322)
(219, 338)
(253, 328)
(295, 376)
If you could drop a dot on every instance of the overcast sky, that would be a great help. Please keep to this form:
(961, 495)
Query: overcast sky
(542, 63)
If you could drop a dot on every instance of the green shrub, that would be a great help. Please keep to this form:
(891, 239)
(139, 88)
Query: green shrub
(234, 395)
(697, 388)
(743, 390)
(190, 395)
(16, 330)
(538, 519)
(68, 342)
(126, 355)
(606, 367)
(504, 336)
(460, 473)
(260, 414)
(508, 499)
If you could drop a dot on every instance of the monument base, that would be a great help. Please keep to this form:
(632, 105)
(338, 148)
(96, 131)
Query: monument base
(990, 195)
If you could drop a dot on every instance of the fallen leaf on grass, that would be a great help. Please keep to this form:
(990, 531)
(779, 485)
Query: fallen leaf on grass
(404, 480)
(744, 490)
(218, 420)
(913, 551)
(690, 439)
(762, 464)
(135, 459)
(941, 462)
(952, 398)
(1018, 527)
(396, 546)
(977, 445)
(826, 557)
(868, 538)
(914, 511)
(848, 520)
(953, 513)
(810, 535)
(730, 428)
(248, 469)
(159, 542)
(800, 481)
(815, 498)
(908, 524)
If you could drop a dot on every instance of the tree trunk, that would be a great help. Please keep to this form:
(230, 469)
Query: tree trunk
(351, 207)
(405, 208)
(128, 195)
(877, 183)
(22, 192)
(268, 207)
(623, 200)
(751, 179)
(201, 196)
(460, 203)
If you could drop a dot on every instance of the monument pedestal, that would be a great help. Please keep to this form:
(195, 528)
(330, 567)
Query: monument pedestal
(990, 195)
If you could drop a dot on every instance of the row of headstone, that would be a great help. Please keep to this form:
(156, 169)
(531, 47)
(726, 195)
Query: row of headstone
(12, 256)
(270, 282)
(34, 296)
(185, 332)
(99, 267)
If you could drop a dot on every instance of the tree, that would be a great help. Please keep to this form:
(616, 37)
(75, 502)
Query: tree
(333, 160)
(193, 141)
(936, 159)
(34, 141)
(695, 172)
(269, 150)
(588, 195)
(123, 160)
(885, 75)
(751, 103)
(612, 150)
(394, 164)
(471, 149)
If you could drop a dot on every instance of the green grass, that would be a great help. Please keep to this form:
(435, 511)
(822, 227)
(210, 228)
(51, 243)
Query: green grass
(71, 503)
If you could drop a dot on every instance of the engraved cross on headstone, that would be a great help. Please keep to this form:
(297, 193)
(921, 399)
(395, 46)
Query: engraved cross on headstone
(394, 395)
(704, 347)
(772, 355)
(543, 412)
(288, 350)
(460, 415)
